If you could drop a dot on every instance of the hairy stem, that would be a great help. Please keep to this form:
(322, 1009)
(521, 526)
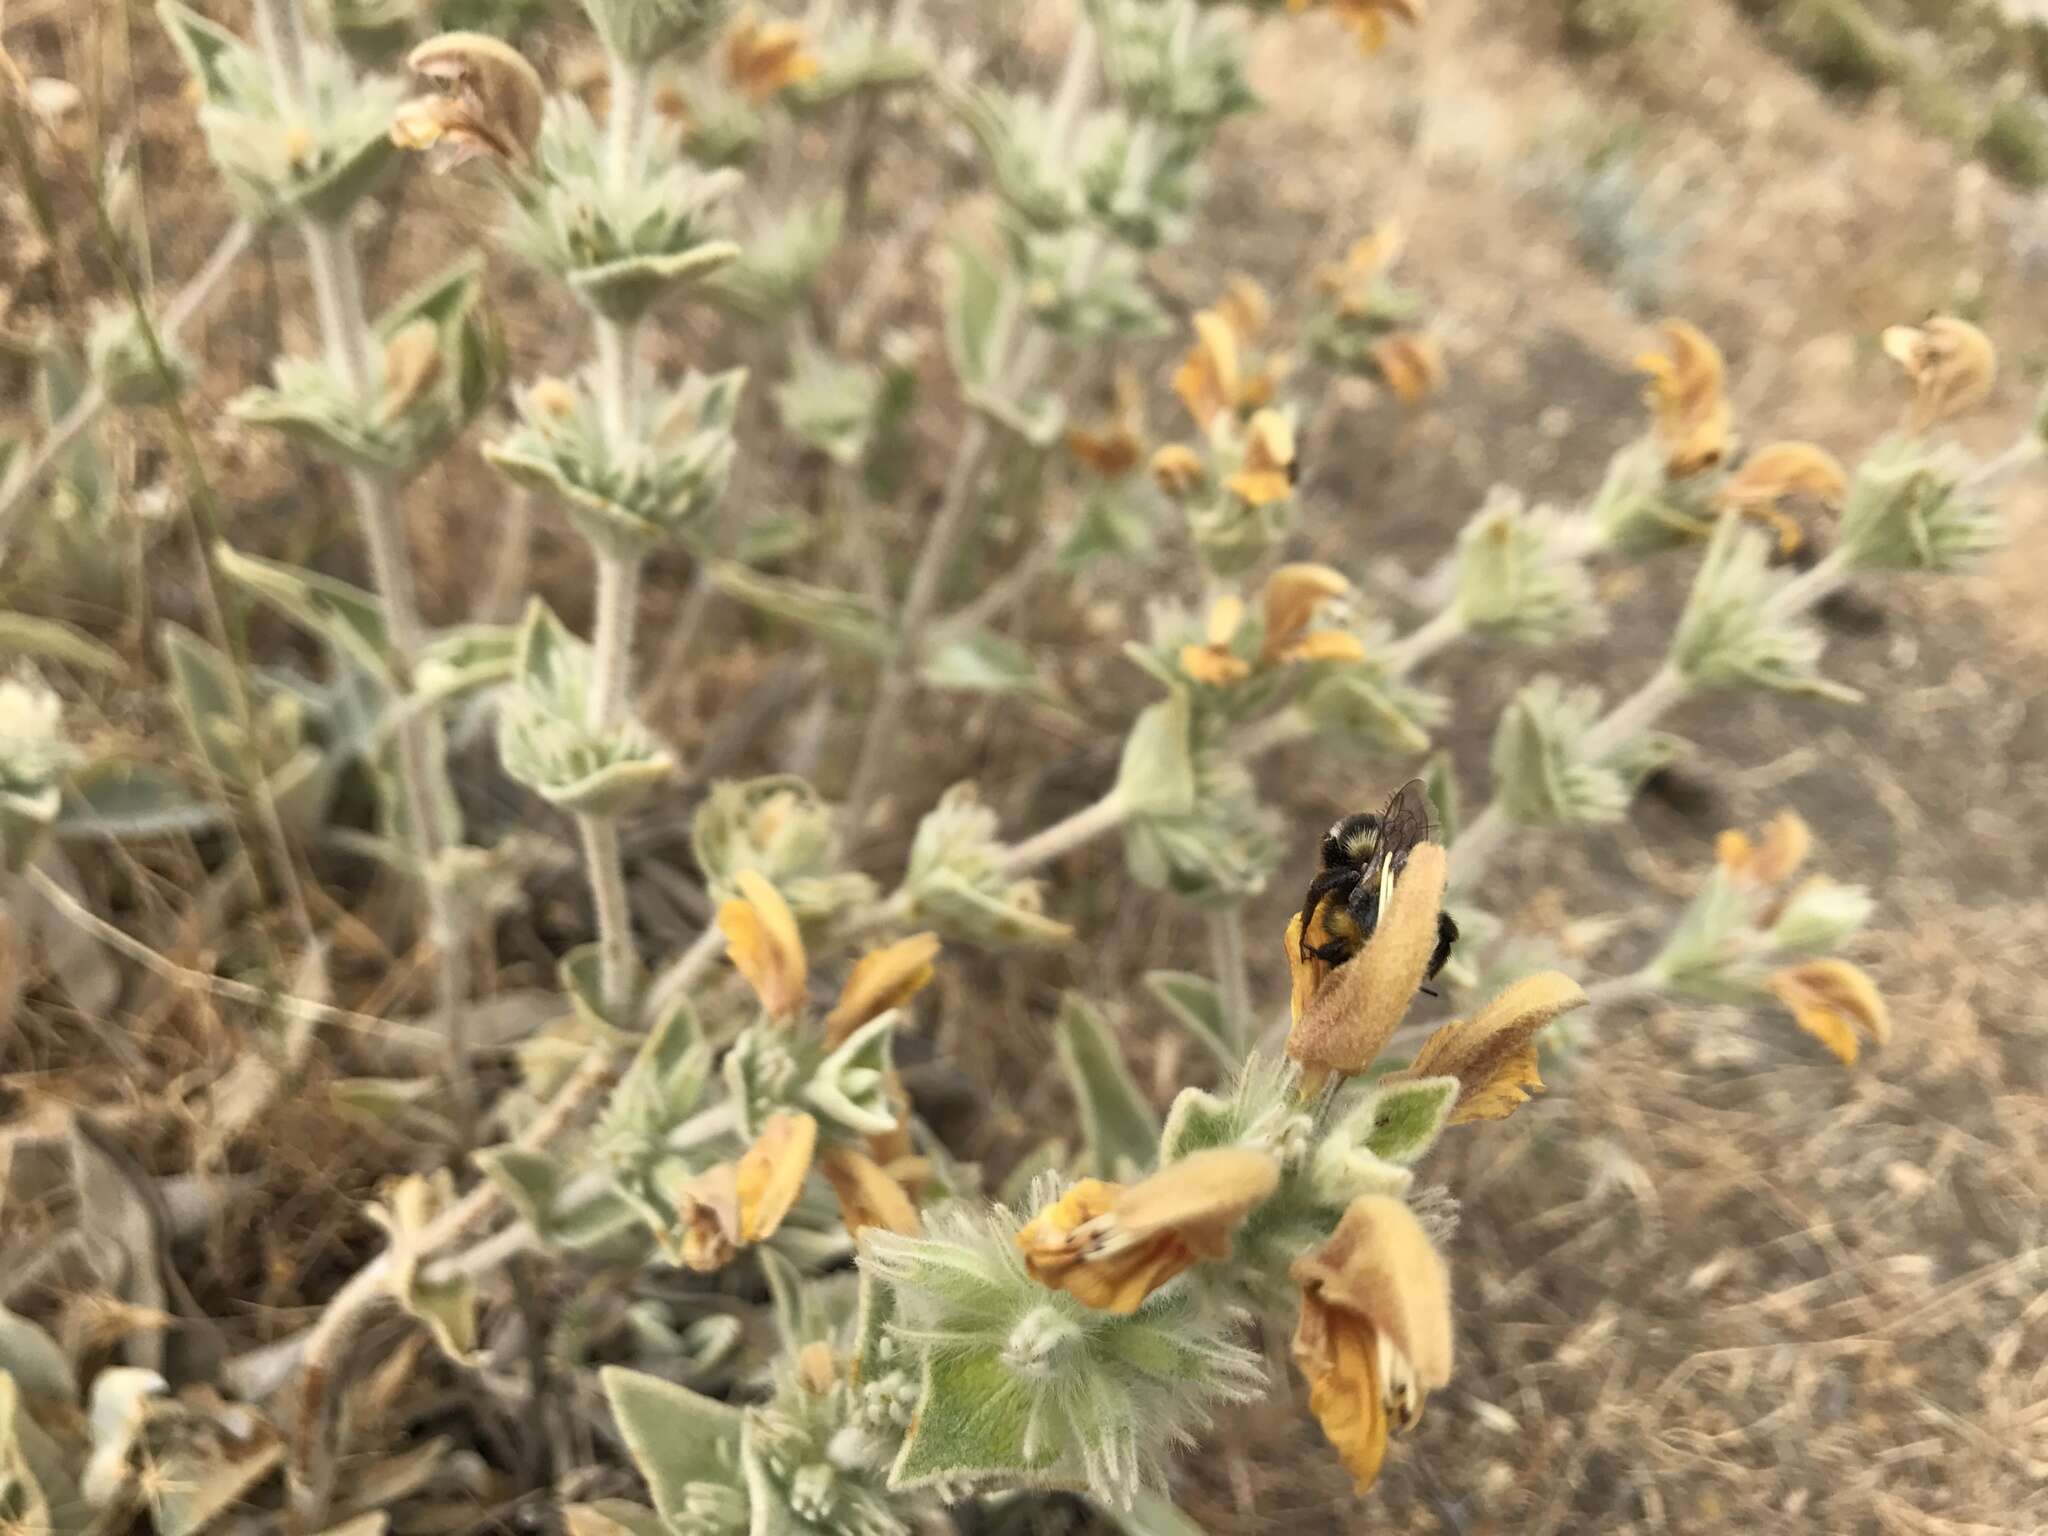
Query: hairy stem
(1084, 826)
(617, 959)
(1226, 950)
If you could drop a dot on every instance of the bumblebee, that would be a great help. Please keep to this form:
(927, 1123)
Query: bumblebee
(1359, 853)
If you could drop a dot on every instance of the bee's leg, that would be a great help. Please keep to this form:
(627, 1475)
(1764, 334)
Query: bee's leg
(1446, 936)
(1363, 906)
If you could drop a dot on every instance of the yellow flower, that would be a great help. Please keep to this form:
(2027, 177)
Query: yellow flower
(1832, 1000)
(1771, 861)
(490, 102)
(1350, 282)
(1375, 1333)
(1109, 1247)
(1694, 421)
(551, 397)
(1412, 364)
(868, 1195)
(771, 1173)
(1178, 470)
(1215, 663)
(1212, 380)
(1292, 596)
(882, 979)
(1268, 472)
(762, 58)
(1771, 474)
(816, 1368)
(1493, 1053)
(1952, 365)
(1344, 1016)
(1114, 449)
(762, 938)
(707, 1219)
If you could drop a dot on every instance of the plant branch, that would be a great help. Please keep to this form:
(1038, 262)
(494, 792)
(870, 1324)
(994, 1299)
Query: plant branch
(1084, 826)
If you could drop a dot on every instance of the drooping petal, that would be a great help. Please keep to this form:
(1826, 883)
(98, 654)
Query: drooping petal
(1293, 594)
(1833, 1001)
(762, 937)
(1687, 391)
(1492, 1054)
(1772, 860)
(1412, 364)
(868, 1196)
(771, 1173)
(1952, 365)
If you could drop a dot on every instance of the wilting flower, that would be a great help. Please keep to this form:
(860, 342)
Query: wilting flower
(1771, 474)
(1375, 1333)
(1344, 1016)
(1952, 365)
(869, 1196)
(882, 979)
(1110, 1246)
(1178, 470)
(1412, 364)
(1268, 471)
(1368, 18)
(1771, 860)
(762, 58)
(1114, 449)
(1493, 1053)
(1351, 283)
(762, 938)
(730, 1205)
(1694, 422)
(1293, 595)
(1216, 663)
(1832, 1000)
(490, 101)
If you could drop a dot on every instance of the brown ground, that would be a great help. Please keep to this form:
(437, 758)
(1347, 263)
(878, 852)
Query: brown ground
(1712, 1281)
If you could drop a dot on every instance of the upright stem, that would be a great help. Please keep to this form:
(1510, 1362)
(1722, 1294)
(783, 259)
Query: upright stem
(956, 505)
(422, 763)
(618, 574)
(1226, 949)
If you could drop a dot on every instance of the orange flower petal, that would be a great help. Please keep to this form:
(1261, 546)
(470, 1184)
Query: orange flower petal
(882, 979)
(771, 1173)
(1833, 1000)
(761, 936)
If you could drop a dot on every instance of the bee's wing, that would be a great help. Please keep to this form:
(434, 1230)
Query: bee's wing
(1408, 821)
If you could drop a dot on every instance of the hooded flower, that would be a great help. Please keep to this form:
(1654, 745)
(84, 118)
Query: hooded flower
(762, 938)
(1178, 471)
(1770, 475)
(1412, 364)
(1344, 1016)
(730, 1205)
(1214, 662)
(1375, 1333)
(881, 979)
(490, 102)
(1771, 860)
(1687, 392)
(1368, 19)
(1952, 365)
(1351, 283)
(1834, 1001)
(1268, 471)
(869, 1196)
(764, 58)
(1213, 381)
(1110, 1246)
(1114, 449)
(1293, 596)
(1493, 1053)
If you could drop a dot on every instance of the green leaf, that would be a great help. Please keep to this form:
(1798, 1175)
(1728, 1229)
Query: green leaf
(622, 290)
(1157, 774)
(980, 661)
(850, 1086)
(463, 660)
(123, 799)
(1439, 779)
(203, 690)
(1198, 1121)
(1401, 1120)
(22, 635)
(33, 1359)
(972, 290)
(676, 1436)
(1197, 1003)
(211, 52)
(1122, 1130)
(837, 618)
(973, 1419)
(348, 618)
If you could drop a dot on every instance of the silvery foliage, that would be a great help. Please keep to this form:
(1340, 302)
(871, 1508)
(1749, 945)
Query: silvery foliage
(545, 737)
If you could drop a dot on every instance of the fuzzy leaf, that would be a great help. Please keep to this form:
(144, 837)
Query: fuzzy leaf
(838, 618)
(24, 635)
(971, 295)
(1197, 1122)
(347, 617)
(202, 688)
(972, 1421)
(1402, 1120)
(1149, 1515)
(1122, 1130)
(1197, 1003)
(676, 1436)
(981, 661)
(1157, 774)
(132, 800)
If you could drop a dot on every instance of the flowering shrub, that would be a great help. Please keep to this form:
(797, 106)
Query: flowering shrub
(670, 1137)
